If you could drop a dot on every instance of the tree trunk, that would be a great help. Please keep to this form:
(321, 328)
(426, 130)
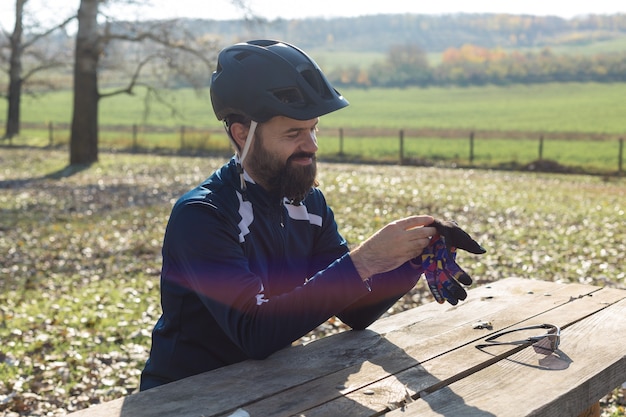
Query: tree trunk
(12, 127)
(84, 133)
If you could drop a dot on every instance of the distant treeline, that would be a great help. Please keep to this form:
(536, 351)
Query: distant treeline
(475, 49)
(407, 65)
(433, 33)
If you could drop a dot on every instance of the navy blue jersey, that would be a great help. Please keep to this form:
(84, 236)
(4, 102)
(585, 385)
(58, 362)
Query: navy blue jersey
(246, 273)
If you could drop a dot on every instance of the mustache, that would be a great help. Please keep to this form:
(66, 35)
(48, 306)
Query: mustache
(302, 155)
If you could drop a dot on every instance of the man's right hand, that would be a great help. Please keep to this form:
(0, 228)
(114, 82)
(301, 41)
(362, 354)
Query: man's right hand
(393, 245)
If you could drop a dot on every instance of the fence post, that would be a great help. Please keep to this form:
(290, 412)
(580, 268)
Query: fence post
(134, 136)
(620, 157)
(471, 154)
(401, 147)
(341, 141)
(541, 148)
(50, 134)
(182, 138)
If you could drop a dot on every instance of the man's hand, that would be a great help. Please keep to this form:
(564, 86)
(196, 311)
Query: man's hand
(393, 245)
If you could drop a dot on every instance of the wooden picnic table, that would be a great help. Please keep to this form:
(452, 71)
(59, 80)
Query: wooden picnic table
(423, 362)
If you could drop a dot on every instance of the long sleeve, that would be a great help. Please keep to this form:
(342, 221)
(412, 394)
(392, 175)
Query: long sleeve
(244, 276)
(218, 270)
(386, 290)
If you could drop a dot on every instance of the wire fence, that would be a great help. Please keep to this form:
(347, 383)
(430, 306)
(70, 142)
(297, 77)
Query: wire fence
(551, 151)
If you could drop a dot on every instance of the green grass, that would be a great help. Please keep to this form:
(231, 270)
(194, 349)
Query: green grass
(590, 156)
(80, 254)
(193, 109)
(329, 60)
(567, 156)
(592, 108)
(589, 48)
(553, 110)
(487, 150)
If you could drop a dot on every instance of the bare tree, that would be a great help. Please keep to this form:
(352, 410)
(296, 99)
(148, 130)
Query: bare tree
(164, 46)
(84, 133)
(18, 47)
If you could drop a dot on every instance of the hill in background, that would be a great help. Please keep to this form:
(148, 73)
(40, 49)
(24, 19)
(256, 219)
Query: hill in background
(433, 33)
(354, 51)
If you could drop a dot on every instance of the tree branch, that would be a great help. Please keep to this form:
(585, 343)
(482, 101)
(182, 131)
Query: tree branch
(133, 81)
(38, 36)
(159, 99)
(160, 33)
(43, 67)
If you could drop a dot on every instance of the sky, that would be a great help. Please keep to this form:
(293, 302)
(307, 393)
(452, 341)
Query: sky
(272, 9)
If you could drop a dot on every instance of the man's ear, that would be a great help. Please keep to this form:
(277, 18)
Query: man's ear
(239, 133)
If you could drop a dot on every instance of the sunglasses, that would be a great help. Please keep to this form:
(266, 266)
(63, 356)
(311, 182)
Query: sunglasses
(545, 344)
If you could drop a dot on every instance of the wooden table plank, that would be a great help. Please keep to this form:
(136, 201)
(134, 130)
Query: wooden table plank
(388, 391)
(301, 377)
(212, 392)
(590, 362)
(504, 290)
(417, 336)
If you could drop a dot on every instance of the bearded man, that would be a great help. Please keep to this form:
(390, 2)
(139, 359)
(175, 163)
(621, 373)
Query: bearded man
(252, 257)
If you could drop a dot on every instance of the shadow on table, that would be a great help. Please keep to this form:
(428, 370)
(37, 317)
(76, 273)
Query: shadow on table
(363, 390)
(555, 361)
(354, 373)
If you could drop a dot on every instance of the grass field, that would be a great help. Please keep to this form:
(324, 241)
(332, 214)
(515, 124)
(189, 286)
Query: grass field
(80, 253)
(585, 155)
(557, 155)
(554, 110)
(591, 108)
(330, 60)
(535, 108)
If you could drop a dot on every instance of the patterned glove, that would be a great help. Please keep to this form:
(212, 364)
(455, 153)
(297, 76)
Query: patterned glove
(438, 262)
(455, 237)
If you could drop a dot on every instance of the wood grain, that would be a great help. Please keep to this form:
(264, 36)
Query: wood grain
(417, 360)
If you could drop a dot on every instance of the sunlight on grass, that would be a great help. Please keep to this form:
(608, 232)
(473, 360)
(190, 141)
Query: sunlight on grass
(80, 254)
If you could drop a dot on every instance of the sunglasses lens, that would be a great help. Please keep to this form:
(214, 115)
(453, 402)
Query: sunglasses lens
(548, 344)
(556, 339)
(545, 346)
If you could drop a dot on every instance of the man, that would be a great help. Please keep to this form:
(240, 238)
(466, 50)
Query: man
(252, 259)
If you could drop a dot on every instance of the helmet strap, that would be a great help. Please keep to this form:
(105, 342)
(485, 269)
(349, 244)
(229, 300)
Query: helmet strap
(244, 152)
(246, 146)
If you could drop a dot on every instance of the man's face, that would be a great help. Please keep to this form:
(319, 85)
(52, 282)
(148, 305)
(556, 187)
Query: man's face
(282, 157)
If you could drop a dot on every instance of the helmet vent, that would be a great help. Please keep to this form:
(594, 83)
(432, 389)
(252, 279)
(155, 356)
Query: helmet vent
(313, 77)
(291, 96)
(242, 55)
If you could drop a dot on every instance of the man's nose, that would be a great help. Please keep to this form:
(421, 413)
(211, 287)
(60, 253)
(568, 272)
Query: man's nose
(310, 143)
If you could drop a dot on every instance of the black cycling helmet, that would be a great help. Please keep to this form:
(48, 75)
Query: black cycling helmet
(261, 79)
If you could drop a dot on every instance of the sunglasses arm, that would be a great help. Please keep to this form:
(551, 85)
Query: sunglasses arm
(530, 339)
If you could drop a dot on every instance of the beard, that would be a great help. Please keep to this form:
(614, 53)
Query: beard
(293, 182)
